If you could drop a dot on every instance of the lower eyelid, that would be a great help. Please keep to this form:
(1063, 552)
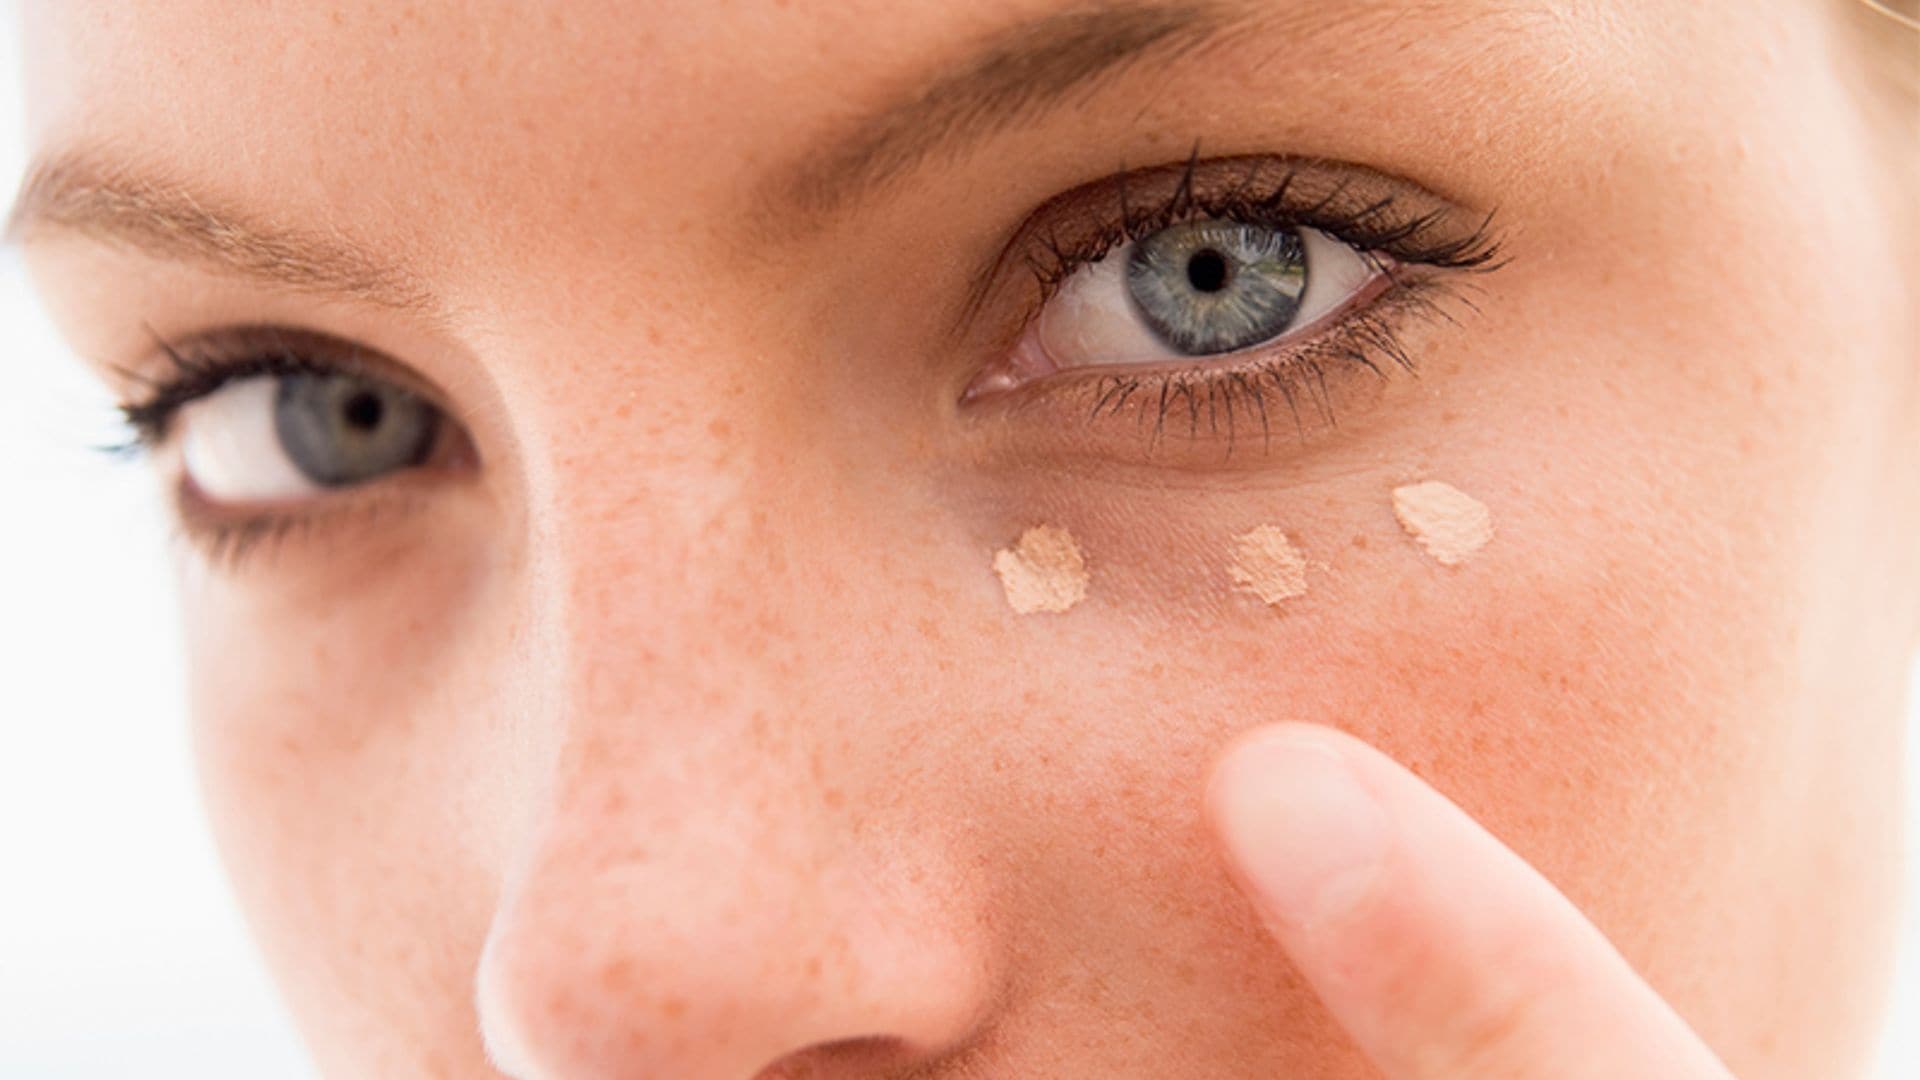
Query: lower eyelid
(1239, 409)
(226, 534)
(1031, 372)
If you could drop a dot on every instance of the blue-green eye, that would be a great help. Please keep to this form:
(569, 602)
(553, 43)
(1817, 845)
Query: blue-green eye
(280, 437)
(1200, 288)
(343, 429)
(1217, 286)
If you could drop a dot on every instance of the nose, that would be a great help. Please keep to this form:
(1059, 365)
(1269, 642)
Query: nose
(716, 880)
(729, 938)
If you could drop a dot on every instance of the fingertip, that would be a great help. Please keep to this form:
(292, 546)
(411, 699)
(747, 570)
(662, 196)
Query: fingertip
(1301, 830)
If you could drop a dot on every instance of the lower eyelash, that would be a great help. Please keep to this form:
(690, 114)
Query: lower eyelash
(227, 544)
(227, 539)
(1215, 397)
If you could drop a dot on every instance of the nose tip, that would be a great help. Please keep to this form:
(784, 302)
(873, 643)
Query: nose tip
(737, 968)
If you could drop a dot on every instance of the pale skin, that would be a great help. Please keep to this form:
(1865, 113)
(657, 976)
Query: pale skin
(675, 724)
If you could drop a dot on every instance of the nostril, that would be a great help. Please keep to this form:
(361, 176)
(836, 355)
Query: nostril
(865, 1056)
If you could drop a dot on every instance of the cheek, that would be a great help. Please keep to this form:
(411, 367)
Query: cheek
(333, 727)
(1615, 686)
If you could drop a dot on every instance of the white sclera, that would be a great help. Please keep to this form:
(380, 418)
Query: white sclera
(231, 450)
(1091, 321)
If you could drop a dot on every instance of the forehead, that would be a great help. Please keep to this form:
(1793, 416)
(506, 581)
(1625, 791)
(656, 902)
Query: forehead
(744, 83)
(432, 127)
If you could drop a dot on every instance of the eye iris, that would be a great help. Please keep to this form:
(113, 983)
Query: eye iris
(1216, 286)
(341, 429)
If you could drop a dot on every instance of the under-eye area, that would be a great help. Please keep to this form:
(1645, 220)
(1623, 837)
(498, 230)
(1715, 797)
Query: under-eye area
(1236, 304)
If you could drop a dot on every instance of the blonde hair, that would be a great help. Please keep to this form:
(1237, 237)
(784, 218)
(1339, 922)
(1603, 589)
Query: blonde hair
(1888, 32)
(1891, 32)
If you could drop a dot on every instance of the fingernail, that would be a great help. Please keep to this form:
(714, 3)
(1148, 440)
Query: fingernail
(1307, 837)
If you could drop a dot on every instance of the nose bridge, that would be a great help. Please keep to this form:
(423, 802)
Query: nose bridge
(653, 552)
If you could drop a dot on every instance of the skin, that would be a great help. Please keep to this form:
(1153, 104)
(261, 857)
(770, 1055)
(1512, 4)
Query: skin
(685, 731)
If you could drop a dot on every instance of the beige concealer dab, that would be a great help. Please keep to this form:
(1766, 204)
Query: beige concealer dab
(1266, 564)
(1043, 572)
(1447, 522)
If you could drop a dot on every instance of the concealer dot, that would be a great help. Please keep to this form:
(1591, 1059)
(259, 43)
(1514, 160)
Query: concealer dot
(1266, 564)
(1445, 521)
(1043, 572)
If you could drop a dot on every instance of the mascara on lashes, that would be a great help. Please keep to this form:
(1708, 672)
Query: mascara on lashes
(1415, 237)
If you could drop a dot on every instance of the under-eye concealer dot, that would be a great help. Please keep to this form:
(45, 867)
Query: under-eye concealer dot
(1447, 522)
(1267, 565)
(1043, 572)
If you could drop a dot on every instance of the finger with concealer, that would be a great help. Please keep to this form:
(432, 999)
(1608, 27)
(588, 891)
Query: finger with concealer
(1440, 951)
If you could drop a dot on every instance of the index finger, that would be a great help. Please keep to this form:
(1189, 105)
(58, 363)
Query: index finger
(1435, 946)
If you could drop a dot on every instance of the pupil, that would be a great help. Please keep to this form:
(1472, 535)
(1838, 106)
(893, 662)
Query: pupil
(363, 411)
(1207, 271)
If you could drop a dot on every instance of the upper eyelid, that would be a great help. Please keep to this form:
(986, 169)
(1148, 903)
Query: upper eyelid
(199, 364)
(1323, 193)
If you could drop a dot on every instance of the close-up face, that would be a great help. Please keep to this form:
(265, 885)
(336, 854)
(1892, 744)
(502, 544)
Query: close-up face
(722, 540)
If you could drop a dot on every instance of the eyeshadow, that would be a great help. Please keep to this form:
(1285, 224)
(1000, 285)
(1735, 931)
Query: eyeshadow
(1446, 522)
(1044, 571)
(1266, 564)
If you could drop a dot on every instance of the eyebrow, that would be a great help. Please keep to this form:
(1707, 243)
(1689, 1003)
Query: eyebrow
(1009, 78)
(85, 193)
(1015, 74)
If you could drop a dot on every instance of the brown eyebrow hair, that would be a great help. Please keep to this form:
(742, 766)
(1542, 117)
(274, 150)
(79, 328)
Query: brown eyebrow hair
(1010, 76)
(82, 192)
(1013, 74)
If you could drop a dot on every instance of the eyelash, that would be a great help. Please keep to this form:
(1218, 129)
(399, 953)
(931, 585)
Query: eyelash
(1477, 250)
(1366, 335)
(215, 360)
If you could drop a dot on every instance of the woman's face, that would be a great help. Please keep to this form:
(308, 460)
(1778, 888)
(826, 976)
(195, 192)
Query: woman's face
(657, 711)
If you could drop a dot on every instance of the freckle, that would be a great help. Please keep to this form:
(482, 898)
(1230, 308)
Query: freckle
(1043, 572)
(618, 974)
(1360, 542)
(833, 798)
(719, 428)
(673, 1008)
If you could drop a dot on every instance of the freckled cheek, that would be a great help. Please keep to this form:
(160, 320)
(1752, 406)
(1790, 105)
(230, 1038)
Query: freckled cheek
(1526, 683)
(336, 745)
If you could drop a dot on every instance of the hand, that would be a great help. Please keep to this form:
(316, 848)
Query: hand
(1439, 950)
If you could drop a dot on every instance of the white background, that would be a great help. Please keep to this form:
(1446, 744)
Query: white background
(121, 954)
